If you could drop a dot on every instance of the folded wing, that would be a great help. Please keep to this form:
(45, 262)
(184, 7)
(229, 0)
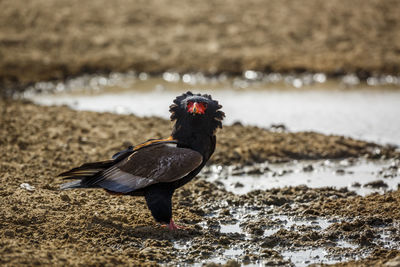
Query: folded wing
(154, 164)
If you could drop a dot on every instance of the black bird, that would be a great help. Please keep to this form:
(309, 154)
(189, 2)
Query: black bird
(157, 167)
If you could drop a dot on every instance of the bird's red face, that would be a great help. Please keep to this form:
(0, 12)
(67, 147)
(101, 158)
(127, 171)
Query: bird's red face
(196, 107)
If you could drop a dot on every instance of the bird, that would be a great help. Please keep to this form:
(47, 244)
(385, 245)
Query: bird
(157, 167)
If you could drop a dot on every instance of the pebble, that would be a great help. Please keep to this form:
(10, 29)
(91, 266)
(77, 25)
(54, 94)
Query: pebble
(376, 184)
(27, 187)
(308, 168)
(65, 198)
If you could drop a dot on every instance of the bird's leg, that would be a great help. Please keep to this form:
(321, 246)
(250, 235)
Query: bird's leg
(173, 226)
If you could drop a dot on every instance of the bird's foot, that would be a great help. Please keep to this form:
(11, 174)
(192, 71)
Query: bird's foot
(172, 226)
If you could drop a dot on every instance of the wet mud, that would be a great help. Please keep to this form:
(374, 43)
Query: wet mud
(44, 40)
(40, 225)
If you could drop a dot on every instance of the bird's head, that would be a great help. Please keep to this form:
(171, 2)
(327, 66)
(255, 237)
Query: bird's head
(197, 109)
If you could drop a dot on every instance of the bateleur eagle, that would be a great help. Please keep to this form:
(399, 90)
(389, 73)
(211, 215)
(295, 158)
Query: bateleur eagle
(157, 167)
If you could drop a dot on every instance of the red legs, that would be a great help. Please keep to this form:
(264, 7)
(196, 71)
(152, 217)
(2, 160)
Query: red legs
(172, 226)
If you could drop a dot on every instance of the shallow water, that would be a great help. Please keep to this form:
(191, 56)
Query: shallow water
(305, 257)
(296, 255)
(301, 104)
(356, 175)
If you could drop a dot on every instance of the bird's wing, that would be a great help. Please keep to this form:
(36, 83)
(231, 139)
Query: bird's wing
(122, 154)
(164, 162)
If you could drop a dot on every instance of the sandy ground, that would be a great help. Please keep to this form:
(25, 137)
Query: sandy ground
(46, 39)
(91, 227)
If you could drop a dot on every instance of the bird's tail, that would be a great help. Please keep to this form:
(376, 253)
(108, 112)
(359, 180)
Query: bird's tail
(84, 173)
(73, 184)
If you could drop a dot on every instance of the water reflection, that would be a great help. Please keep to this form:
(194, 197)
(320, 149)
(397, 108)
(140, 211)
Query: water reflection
(364, 114)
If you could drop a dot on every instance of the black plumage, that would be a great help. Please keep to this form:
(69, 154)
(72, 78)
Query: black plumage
(157, 167)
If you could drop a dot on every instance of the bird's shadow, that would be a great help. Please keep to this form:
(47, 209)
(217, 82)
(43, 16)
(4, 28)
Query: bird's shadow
(154, 231)
(162, 233)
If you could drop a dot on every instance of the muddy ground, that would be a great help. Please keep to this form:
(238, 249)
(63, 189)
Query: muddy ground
(42, 40)
(43, 226)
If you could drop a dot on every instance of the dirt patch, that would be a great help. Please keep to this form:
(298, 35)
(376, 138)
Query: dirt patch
(43, 40)
(41, 225)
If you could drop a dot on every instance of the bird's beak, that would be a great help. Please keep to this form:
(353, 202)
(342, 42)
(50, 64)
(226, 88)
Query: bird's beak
(197, 108)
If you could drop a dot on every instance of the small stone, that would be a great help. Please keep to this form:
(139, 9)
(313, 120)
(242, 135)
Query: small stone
(83, 140)
(269, 243)
(238, 185)
(27, 187)
(310, 212)
(224, 240)
(232, 263)
(65, 198)
(9, 233)
(376, 184)
(225, 212)
(238, 172)
(340, 172)
(364, 240)
(308, 168)
(257, 170)
(246, 258)
(278, 128)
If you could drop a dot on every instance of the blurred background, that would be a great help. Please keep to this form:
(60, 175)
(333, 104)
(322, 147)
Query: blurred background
(327, 66)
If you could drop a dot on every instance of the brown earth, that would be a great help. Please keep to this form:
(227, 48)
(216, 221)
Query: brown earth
(90, 227)
(45, 39)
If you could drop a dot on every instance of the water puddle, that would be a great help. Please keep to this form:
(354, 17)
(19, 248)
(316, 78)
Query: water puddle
(362, 176)
(262, 237)
(306, 257)
(291, 223)
(301, 103)
(231, 228)
(254, 249)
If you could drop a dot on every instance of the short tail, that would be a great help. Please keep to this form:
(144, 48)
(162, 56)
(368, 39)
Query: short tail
(73, 184)
(84, 173)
